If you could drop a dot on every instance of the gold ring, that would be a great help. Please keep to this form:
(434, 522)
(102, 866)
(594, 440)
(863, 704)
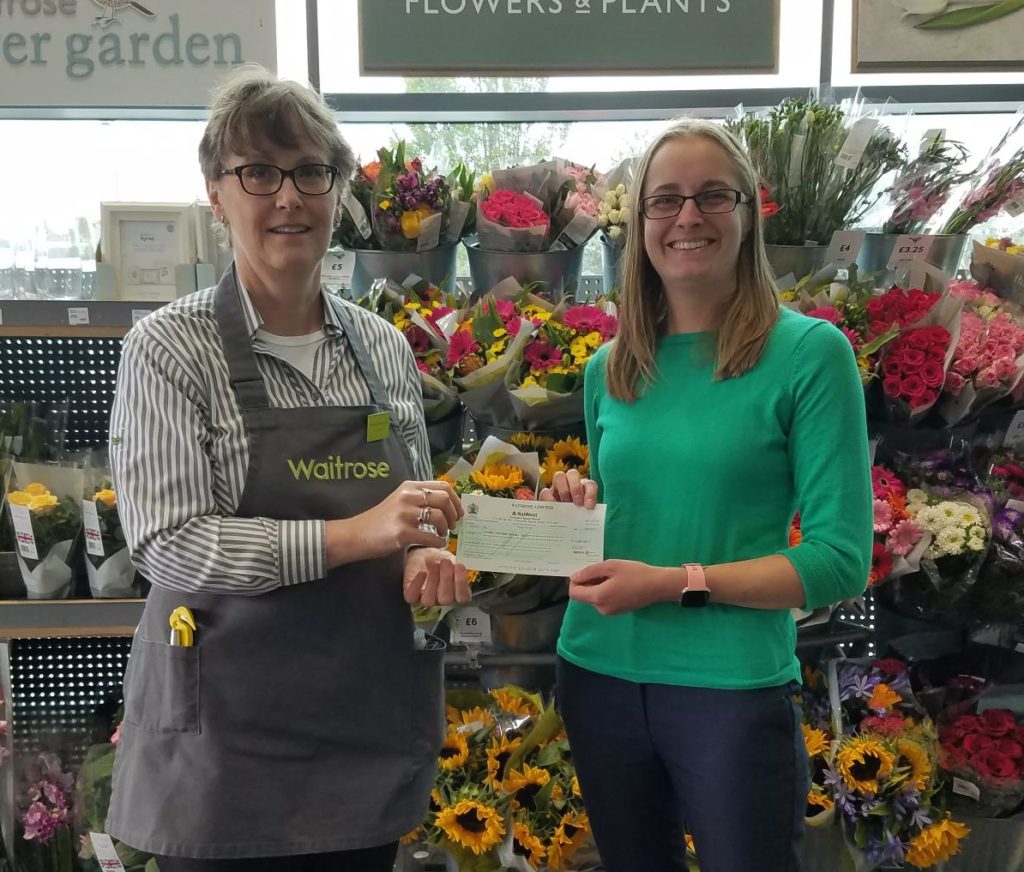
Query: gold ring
(424, 516)
(426, 493)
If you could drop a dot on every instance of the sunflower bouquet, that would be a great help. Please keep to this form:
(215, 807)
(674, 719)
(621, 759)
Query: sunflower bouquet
(107, 559)
(546, 386)
(506, 795)
(47, 517)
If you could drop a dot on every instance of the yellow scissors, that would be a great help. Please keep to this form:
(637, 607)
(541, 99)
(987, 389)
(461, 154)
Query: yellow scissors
(183, 627)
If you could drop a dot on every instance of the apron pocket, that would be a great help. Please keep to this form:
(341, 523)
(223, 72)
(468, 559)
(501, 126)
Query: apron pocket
(161, 688)
(427, 695)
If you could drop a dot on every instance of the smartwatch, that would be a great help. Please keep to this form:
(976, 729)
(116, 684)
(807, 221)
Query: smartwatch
(696, 594)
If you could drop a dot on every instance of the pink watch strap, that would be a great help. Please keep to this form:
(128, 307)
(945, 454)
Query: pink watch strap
(695, 577)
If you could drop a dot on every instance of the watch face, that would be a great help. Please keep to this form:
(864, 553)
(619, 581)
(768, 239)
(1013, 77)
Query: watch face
(694, 599)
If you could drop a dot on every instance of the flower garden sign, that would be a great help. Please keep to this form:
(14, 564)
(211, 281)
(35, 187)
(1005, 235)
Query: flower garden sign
(568, 37)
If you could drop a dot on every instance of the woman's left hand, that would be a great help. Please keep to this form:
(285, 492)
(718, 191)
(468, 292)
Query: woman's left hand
(432, 577)
(616, 586)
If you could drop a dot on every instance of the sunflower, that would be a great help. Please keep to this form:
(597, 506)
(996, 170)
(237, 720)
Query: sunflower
(862, 762)
(498, 477)
(570, 833)
(477, 716)
(576, 787)
(473, 825)
(815, 740)
(411, 837)
(936, 843)
(454, 752)
(524, 785)
(883, 697)
(531, 441)
(513, 703)
(918, 759)
(526, 844)
(497, 758)
(569, 454)
(817, 803)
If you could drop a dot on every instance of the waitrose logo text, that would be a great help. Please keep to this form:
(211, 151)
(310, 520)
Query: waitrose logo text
(337, 469)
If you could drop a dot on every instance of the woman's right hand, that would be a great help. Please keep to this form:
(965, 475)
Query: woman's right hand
(394, 523)
(571, 487)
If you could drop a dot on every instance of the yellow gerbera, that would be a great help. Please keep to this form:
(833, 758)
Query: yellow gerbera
(568, 836)
(579, 349)
(473, 825)
(36, 489)
(498, 476)
(863, 762)
(107, 497)
(525, 784)
(919, 760)
(526, 844)
(496, 350)
(815, 740)
(883, 697)
(498, 755)
(454, 752)
(513, 703)
(936, 843)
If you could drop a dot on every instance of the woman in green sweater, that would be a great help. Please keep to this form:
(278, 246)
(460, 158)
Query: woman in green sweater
(712, 418)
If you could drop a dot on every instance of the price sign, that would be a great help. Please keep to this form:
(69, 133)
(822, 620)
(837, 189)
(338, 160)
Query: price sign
(471, 626)
(139, 314)
(91, 523)
(26, 539)
(1015, 205)
(337, 268)
(106, 855)
(844, 247)
(78, 315)
(966, 788)
(1015, 432)
(910, 248)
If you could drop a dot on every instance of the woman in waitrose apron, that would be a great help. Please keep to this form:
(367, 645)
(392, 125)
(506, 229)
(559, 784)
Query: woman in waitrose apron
(270, 460)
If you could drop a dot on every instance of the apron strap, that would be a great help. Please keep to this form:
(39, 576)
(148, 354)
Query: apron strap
(366, 367)
(243, 372)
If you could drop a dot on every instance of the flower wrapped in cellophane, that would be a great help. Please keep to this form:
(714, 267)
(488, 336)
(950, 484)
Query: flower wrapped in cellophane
(873, 756)
(923, 185)
(900, 541)
(546, 385)
(506, 796)
(613, 210)
(46, 514)
(107, 559)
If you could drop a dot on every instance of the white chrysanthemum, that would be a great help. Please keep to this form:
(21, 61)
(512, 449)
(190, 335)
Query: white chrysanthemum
(916, 495)
(977, 532)
(930, 518)
(949, 511)
(950, 540)
(969, 515)
(975, 544)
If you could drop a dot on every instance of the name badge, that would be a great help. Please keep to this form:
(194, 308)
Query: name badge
(378, 426)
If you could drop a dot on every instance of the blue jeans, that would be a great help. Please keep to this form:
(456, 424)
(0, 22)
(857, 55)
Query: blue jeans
(380, 859)
(655, 760)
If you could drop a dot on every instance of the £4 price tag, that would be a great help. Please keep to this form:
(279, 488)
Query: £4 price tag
(844, 247)
(471, 626)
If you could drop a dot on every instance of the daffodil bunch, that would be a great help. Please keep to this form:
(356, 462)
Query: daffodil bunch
(505, 786)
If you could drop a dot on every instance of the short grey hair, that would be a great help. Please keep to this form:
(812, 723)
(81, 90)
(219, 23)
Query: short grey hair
(252, 108)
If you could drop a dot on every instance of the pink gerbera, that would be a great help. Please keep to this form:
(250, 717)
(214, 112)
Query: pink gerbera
(903, 537)
(883, 516)
(461, 346)
(542, 355)
(506, 309)
(826, 313)
(884, 482)
(588, 319)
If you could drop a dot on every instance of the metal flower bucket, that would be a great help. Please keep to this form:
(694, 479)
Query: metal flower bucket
(795, 260)
(557, 271)
(611, 265)
(436, 265)
(946, 252)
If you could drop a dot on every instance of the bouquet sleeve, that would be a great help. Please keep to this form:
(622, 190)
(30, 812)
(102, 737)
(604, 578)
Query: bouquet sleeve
(107, 559)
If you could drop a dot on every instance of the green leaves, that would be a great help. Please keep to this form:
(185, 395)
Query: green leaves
(958, 18)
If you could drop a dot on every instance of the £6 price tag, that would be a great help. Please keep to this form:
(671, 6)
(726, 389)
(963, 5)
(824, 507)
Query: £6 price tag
(471, 626)
(910, 248)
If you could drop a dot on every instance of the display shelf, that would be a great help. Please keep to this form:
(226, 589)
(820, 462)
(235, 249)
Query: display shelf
(84, 318)
(40, 619)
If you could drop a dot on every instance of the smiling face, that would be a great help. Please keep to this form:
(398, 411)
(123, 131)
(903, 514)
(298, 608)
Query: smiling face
(279, 239)
(694, 252)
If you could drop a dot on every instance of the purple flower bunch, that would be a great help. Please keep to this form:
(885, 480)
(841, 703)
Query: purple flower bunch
(51, 799)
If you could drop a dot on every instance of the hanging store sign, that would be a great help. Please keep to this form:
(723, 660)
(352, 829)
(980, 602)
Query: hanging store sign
(127, 53)
(567, 37)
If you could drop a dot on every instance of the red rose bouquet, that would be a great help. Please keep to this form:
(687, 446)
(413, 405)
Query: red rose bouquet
(984, 754)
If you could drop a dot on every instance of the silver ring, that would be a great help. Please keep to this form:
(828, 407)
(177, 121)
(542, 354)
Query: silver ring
(426, 493)
(424, 515)
(428, 528)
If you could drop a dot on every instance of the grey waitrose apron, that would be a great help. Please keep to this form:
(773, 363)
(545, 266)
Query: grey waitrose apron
(301, 720)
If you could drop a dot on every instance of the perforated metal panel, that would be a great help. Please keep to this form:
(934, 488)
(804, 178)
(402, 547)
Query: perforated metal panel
(64, 694)
(50, 369)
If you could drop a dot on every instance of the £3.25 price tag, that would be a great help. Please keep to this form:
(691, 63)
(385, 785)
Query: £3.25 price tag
(910, 248)
(471, 626)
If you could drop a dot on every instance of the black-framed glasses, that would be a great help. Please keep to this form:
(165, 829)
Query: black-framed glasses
(713, 202)
(262, 180)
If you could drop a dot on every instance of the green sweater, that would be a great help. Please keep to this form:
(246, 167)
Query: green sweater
(705, 471)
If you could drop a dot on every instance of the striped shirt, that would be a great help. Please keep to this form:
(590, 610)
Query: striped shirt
(179, 455)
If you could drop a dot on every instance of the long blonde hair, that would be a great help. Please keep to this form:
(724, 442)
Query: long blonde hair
(643, 314)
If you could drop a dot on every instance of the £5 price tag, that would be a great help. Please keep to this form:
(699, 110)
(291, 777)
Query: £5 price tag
(471, 626)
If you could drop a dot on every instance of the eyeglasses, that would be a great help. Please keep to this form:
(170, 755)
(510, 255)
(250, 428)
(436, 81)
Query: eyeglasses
(262, 180)
(713, 202)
